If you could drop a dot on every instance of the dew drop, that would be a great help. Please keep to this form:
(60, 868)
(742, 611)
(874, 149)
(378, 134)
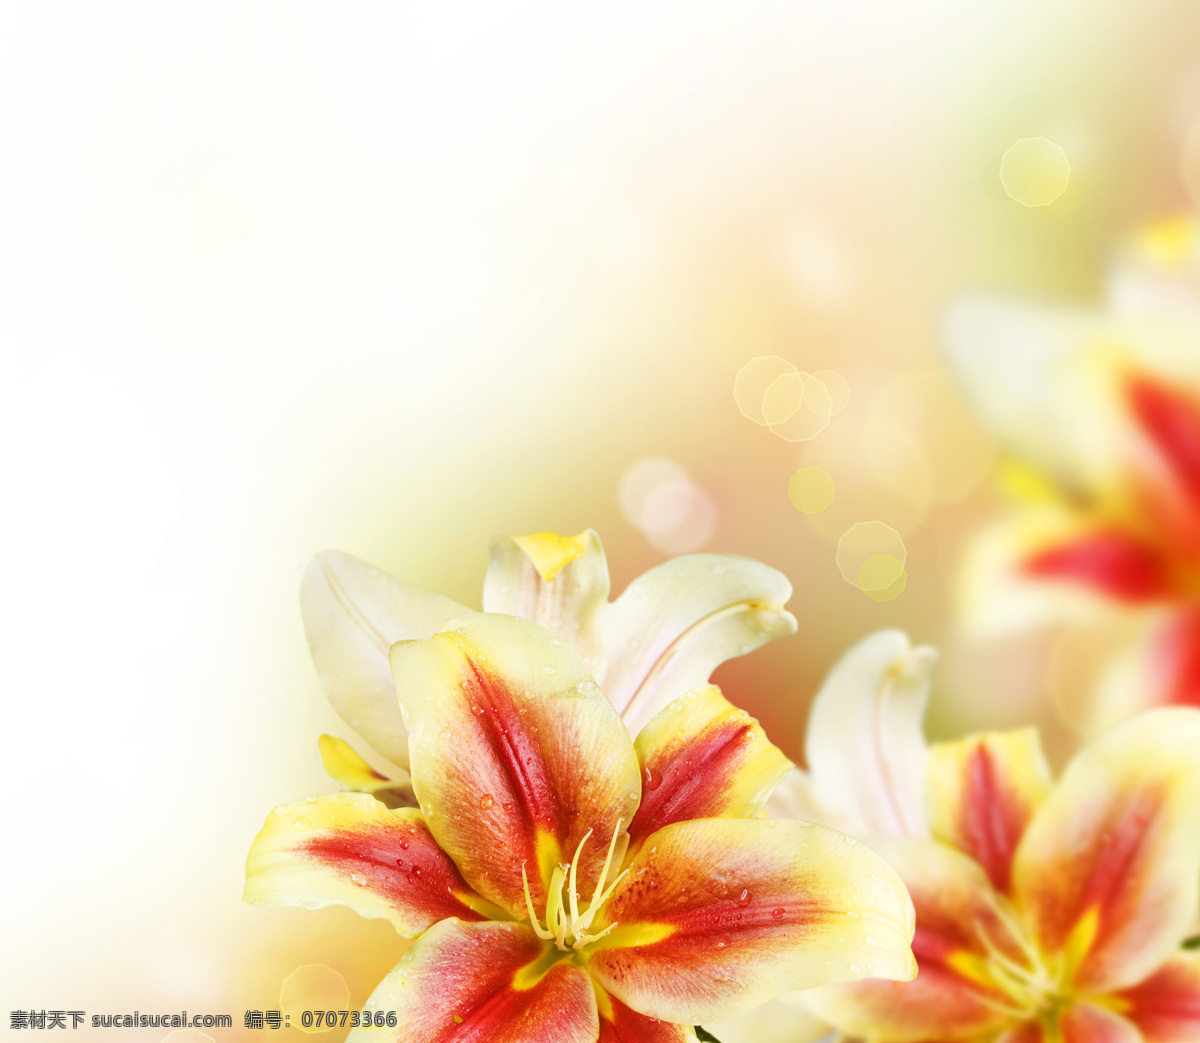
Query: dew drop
(777, 912)
(652, 778)
(722, 942)
(549, 670)
(507, 805)
(417, 871)
(477, 710)
(852, 914)
(870, 940)
(404, 843)
(300, 824)
(744, 897)
(855, 969)
(850, 840)
(487, 802)
(359, 879)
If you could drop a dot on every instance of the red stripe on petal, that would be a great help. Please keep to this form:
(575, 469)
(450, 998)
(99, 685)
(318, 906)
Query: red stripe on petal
(1177, 659)
(1111, 562)
(692, 783)
(619, 1024)
(1166, 1006)
(403, 865)
(1172, 422)
(485, 983)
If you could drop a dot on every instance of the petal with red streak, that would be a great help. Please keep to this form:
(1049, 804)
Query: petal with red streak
(352, 614)
(1087, 1023)
(983, 791)
(350, 849)
(702, 757)
(515, 755)
(1166, 1006)
(1176, 659)
(619, 1024)
(953, 996)
(1106, 872)
(716, 916)
(1109, 560)
(483, 983)
(1171, 421)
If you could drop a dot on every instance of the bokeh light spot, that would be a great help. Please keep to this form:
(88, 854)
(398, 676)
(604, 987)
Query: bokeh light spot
(879, 572)
(811, 489)
(313, 986)
(1035, 171)
(752, 381)
(883, 577)
(812, 415)
(871, 556)
(837, 387)
(785, 395)
(674, 513)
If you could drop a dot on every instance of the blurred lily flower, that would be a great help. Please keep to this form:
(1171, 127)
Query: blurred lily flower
(1100, 414)
(1048, 913)
(531, 796)
(865, 743)
(662, 637)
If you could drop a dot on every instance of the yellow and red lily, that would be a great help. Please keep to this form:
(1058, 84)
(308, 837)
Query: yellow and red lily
(1100, 414)
(1048, 912)
(662, 637)
(532, 799)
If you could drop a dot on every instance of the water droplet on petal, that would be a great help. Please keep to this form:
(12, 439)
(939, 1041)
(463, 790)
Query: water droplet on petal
(487, 801)
(744, 897)
(777, 912)
(416, 871)
(477, 710)
(855, 969)
(358, 878)
(652, 778)
(300, 824)
(549, 670)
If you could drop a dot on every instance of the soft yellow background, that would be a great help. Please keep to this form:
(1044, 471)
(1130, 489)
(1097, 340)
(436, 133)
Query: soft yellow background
(394, 278)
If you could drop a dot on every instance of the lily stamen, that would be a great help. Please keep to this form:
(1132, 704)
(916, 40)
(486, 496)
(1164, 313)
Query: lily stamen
(565, 925)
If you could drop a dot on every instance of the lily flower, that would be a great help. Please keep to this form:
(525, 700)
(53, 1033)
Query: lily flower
(1048, 912)
(662, 637)
(1099, 411)
(566, 883)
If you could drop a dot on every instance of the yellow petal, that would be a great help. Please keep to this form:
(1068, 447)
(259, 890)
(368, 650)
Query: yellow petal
(717, 916)
(482, 983)
(1106, 872)
(702, 757)
(516, 754)
(865, 745)
(982, 793)
(342, 763)
(352, 614)
(953, 996)
(349, 849)
(779, 1021)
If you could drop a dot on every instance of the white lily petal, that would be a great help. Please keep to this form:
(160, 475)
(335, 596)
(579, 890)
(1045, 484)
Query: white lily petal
(674, 625)
(353, 613)
(865, 747)
(568, 602)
